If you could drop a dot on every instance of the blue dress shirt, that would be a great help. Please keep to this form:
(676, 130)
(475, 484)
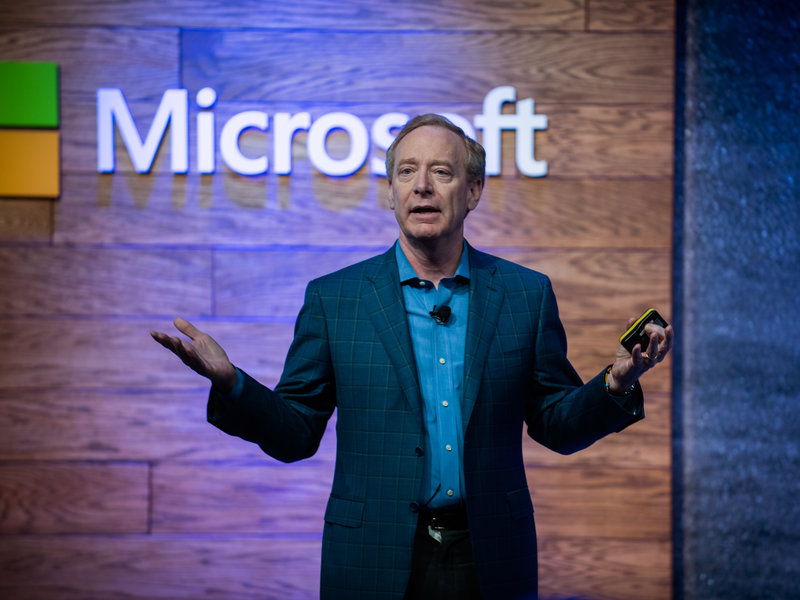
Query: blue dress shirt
(439, 354)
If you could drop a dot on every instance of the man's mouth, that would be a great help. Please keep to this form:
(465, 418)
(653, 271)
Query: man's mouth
(420, 210)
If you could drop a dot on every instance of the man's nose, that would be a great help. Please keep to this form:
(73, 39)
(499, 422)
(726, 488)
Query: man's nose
(422, 183)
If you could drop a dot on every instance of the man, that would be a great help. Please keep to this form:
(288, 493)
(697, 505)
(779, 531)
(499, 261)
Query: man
(433, 354)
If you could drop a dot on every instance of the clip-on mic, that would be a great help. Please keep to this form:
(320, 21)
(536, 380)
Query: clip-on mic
(440, 315)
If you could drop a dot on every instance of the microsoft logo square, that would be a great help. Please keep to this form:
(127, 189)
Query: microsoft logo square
(29, 136)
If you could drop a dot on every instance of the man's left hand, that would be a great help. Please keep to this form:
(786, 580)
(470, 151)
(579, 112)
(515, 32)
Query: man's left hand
(629, 366)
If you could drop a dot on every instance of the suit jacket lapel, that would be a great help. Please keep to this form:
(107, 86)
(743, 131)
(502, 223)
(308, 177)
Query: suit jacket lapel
(485, 301)
(384, 305)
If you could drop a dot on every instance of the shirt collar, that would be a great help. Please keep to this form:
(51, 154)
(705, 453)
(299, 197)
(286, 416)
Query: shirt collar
(408, 274)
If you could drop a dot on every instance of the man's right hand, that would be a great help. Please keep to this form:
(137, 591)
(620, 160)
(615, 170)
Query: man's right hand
(201, 353)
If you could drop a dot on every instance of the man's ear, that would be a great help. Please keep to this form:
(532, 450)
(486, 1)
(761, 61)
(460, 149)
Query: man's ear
(390, 194)
(474, 194)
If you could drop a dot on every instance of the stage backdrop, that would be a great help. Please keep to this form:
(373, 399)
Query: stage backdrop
(111, 483)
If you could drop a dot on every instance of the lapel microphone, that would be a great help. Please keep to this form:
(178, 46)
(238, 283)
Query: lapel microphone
(440, 315)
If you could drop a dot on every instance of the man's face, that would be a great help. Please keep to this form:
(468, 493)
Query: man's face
(430, 192)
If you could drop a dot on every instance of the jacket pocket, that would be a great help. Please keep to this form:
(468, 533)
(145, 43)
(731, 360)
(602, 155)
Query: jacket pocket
(519, 504)
(348, 513)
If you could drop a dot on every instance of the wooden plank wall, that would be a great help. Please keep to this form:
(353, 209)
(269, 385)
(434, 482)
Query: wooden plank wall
(111, 484)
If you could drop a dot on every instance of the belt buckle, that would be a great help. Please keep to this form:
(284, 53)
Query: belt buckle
(436, 535)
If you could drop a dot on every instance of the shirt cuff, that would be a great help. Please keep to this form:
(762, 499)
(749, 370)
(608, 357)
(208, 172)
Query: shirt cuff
(236, 392)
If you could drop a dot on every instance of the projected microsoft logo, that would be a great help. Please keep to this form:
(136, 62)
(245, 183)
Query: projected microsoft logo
(29, 153)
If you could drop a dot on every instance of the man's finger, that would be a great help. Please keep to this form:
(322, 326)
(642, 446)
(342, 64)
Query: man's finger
(663, 339)
(169, 342)
(638, 358)
(670, 336)
(652, 347)
(655, 330)
(186, 328)
(161, 338)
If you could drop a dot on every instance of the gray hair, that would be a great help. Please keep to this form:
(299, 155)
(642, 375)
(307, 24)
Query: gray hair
(476, 155)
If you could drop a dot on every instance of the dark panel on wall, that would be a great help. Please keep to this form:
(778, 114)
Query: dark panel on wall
(738, 283)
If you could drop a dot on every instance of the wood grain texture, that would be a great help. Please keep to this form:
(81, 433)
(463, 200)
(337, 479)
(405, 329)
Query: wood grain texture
(170, 425)
(121, 354)
(221, 210)
(112, 484)
(231, 210)
(644, 445)
(604, 569)
(613, 502)
(26, 220)
(91, 58)
(104, 281)
(607, 141)
(600, 284)
(379, 67)
(266, 498)
(40, 498)
(610, 501)
(150, 567)
(354, 15)
(51, 424)
(46, 424)
(631, 140)
(572, 214)
(260, 283)
(246, 567)
(591, 284)
(631, 15)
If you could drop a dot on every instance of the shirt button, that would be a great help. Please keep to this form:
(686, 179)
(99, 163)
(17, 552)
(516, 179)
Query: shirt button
(448, 447)
(442, 361)
(445, 403)
(450, 492)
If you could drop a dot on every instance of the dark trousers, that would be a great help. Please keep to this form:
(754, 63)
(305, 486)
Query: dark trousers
(442, 569)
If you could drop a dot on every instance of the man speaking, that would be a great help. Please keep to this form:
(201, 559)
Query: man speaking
(434, 355)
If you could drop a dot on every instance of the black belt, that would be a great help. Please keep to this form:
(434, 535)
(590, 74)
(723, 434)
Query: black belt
(444, 519)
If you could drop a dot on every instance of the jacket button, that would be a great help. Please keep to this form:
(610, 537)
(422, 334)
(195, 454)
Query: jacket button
(414, 507)
(419, 451)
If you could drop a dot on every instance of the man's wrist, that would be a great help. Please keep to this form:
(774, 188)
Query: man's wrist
(613, 387)
(225, 385)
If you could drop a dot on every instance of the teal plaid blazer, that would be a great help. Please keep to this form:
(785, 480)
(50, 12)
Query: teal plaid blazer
(352, 352)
